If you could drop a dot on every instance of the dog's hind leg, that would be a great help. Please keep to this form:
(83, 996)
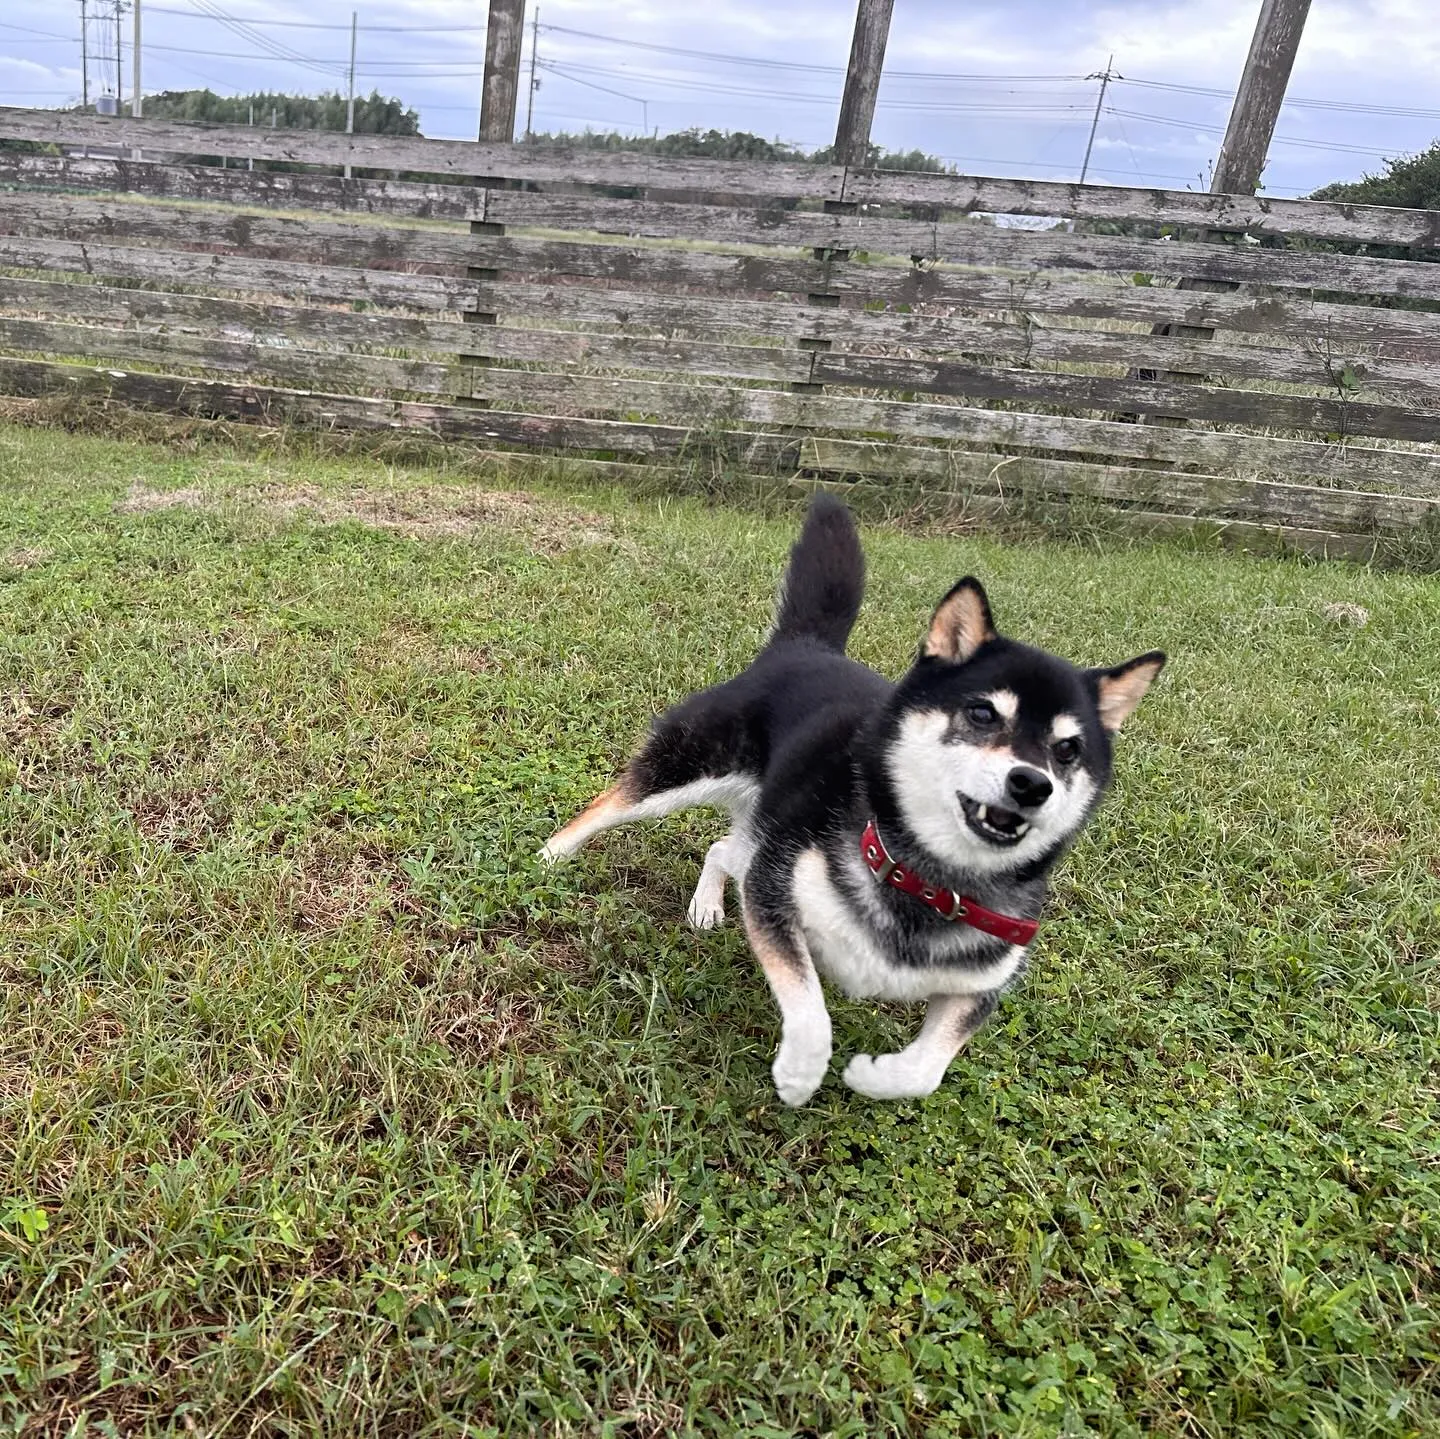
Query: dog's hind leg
(916, 1070)
(627, 801)
(728, 858)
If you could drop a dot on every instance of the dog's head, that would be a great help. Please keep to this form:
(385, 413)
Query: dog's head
(996, 753)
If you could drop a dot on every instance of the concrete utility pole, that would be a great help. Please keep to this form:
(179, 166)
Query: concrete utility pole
(1257, 102)
(84, 56)
(137, 100)
(119, 73)
(1104, 80)
(350, 98)
(534, 83)
(500, 89)
(862, 81)
(137, 96)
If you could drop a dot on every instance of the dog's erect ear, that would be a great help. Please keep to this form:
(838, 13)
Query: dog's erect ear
(961, 623)
(1118, 691)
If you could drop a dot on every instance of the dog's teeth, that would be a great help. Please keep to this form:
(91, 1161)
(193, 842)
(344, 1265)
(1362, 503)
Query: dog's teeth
(983, 814)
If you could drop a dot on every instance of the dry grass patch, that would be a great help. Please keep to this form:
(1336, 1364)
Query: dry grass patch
(430, 512)
(326, 891)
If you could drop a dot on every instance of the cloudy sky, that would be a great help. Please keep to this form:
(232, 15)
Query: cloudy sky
(995, 86)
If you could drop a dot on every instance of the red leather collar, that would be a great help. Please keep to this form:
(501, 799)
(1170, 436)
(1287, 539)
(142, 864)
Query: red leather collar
(954, 907)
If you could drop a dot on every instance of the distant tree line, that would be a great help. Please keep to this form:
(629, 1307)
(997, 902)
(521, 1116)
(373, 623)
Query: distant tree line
(699, 144)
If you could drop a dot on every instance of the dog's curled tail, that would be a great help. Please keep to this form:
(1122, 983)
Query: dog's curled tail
(825, 579)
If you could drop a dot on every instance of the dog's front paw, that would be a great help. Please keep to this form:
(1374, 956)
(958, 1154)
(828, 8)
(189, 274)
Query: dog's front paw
(706, 911)
(888, 1076)
(798, 1071)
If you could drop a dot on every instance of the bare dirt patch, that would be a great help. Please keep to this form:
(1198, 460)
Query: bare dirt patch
(182, 822)
(141, 499)
(328, 890)
(1342, 612)
(26, 557)
(429, 512)
(435, 513)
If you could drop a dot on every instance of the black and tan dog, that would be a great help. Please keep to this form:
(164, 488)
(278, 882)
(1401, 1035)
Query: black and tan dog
(893, 838)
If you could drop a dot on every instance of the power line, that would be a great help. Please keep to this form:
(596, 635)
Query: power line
(1297, 101)
(988, 107)
(29, 30)
(790, 64)
(1334, 146)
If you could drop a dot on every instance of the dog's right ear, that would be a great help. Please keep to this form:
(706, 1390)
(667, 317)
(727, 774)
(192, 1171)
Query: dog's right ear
(961, 623)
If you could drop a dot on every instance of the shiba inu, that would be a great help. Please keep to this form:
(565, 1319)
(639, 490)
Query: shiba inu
(895, 839)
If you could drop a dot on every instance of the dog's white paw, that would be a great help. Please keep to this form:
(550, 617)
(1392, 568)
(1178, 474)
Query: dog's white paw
(549, 855)
(798, 1071)
(706, 910)
(888, 1076)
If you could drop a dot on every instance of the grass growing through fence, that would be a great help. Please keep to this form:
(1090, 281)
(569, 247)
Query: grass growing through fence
(325, 1111)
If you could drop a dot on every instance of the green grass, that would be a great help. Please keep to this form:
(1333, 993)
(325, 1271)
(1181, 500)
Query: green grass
(323, 1111)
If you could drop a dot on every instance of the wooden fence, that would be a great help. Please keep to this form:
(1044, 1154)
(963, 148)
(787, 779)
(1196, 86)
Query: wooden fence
(1233, 361)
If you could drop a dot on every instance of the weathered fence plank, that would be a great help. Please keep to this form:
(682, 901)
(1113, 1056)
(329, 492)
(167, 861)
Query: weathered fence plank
(269, 344)
(462, 158)
(367, 246)
(1214, 496)
(964, 242)
(322, 283)
(1248, 499)
(964, 194)
(1260, 408)
(971, 243)
(276, 189)
(1363, 375)
(331, 370)
(1345, 464)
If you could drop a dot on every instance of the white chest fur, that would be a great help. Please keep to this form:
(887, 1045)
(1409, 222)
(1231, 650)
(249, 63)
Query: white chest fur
(846, 950)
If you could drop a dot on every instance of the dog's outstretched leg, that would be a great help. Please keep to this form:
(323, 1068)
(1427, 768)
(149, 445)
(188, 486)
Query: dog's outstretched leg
(916, 1070)
(805, 1040)
(605, 811)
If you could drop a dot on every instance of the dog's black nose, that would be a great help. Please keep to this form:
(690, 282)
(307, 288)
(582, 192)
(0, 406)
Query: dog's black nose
(1028, 787)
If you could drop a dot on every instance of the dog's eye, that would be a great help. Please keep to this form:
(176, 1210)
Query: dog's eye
(981, 713)
(1067, 751)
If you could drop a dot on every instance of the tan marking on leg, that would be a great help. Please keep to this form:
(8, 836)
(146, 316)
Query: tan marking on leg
(605, 811)
(805, 1038)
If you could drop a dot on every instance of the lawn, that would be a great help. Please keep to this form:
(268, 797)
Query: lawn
(325, 1111)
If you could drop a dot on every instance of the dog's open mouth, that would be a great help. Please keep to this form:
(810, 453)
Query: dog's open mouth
(993, 822)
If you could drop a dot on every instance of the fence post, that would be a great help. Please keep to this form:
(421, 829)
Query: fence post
(500, 88)
(1259, 97)
(862, 81)
(1246, 145)
(852, 148)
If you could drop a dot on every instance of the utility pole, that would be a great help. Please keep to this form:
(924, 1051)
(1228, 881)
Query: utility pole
(500, 89)
(137, 99)
(1104, 80)
(84, 56)
(534, 83)
(250, 160)
(862, 81)
(1258, 100)
(119, 88)
(350, 101)
(137, 94)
